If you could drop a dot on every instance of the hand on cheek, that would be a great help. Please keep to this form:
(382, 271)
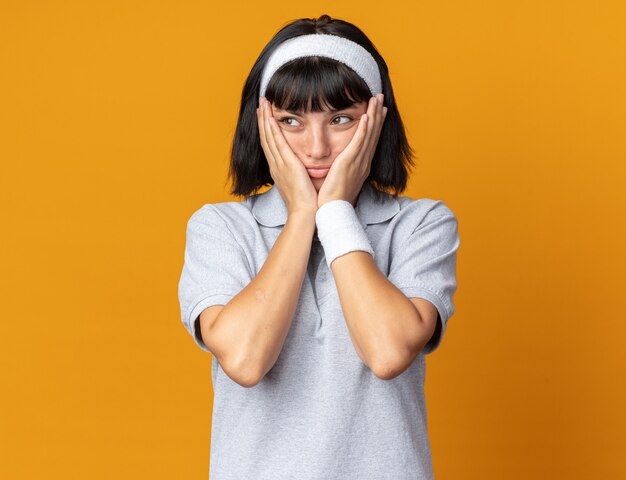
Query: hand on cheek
(286, 169)
(352, 166)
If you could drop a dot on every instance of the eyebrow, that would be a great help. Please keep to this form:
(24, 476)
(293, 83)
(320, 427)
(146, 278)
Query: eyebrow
(331, 111)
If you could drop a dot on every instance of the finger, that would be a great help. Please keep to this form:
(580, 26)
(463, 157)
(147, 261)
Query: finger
(261, 125)
(259, 121)
(284, 150)
(271, 136)
(382, 115)
(352, 151)
(382, 112)
(367, 141)
(378, 104)
(382, 124)
(361, 135)
(359, 140)
(376, 129)
(263, 134)
(281, 149)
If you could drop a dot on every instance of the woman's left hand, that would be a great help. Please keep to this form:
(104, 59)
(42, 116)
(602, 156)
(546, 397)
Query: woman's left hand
(352, 166)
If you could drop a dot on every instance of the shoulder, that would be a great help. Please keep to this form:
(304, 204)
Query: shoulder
(419, 212)
(232, 219)
(223, 214)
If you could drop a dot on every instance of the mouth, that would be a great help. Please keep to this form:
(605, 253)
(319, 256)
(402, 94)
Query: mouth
(317, 172)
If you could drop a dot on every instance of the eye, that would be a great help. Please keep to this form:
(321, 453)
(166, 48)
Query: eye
(285, 119)
(342, 116)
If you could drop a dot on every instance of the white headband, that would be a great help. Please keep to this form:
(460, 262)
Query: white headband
(332, 46)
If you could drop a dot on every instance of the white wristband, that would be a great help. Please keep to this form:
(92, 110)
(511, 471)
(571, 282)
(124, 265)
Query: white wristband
(340, 231)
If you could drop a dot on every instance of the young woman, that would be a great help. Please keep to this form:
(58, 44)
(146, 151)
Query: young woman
(320, 297)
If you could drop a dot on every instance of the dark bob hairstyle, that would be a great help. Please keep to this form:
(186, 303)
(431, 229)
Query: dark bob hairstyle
(309, 84)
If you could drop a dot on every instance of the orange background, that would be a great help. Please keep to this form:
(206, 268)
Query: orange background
(115, 125)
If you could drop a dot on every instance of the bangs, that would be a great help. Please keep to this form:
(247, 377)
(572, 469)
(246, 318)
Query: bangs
(316, 84)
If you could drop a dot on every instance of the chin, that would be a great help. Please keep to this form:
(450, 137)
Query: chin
(317, 183)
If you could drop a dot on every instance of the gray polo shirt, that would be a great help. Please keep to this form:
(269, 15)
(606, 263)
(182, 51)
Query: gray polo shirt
(320, 413)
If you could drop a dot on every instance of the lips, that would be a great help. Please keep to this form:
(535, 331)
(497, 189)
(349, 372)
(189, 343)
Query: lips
(318, 172)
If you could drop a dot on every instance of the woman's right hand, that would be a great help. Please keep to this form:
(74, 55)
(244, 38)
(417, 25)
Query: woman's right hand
(289, 174)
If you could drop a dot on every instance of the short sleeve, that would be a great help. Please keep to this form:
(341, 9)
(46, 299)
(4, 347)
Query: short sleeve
(215, 268)
(425, 267)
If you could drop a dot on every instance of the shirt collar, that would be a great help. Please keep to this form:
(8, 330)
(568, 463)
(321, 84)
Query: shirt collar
(269, 209)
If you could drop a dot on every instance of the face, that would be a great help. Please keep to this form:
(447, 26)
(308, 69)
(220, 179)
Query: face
(318, 137)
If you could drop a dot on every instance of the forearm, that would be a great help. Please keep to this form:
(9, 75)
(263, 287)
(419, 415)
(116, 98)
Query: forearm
(383, 323)
(255, 323)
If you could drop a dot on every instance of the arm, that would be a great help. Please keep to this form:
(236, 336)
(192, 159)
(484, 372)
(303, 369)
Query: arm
(388, 329)
(248, 333)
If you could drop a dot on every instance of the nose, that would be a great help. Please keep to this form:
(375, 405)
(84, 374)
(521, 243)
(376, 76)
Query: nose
(317, 144)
